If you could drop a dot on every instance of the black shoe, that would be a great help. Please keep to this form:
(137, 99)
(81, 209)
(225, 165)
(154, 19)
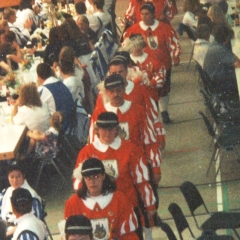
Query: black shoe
(165, 117)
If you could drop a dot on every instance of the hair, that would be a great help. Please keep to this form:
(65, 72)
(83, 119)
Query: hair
(70, 30)
(66, 60)
(109, 186)
(216, 14)
(83, 18)
(54, 35)
(8, 12)
(80, 8)
(204, 19)
(29, 96)
(10, 37)
(224, 6)
(2, 31)
(17, 166)
(3, 23)
(56, 121)
(96, 128)
(117, 62)
(24, 4)
(24, 205)
(135, 41)
(44, 71)
(99, 4)
(190, 5)
(222, 33)
(203, 31)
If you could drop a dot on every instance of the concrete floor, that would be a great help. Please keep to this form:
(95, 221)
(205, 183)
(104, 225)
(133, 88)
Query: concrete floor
(186, 156)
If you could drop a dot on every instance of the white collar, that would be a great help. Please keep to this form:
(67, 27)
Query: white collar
(124, 108)
(101, 200)
(104, 147)
(153, 27)
(50, 80)
(53, 130)
(201, 41)
(141, 59)
(129, 87)
(27, 215)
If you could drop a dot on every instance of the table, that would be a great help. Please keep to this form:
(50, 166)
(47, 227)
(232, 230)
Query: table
(11, 136)
(236, 50)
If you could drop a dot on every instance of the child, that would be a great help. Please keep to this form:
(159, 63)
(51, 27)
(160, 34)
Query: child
(46, 143)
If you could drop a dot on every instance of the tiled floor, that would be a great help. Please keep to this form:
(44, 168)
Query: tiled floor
(186, 156)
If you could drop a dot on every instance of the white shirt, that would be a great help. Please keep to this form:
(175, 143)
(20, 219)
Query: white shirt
(189, 20)
(33, 118)
(30, 222)
(105, 17)
(46, 96)
(200, 49)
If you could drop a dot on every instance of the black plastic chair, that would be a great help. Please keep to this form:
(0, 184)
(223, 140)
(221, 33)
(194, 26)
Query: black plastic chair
(227, 140)
(216, 220)
(179, 219)
(191, 35)
(169, 232)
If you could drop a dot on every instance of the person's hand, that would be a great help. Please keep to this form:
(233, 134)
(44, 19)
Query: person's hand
(156, 178)
(28, 24)
(162, 145)
(176, 61)
(151, 214)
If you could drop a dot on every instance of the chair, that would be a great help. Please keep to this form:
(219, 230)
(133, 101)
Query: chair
(44, 214)
(226, 140)
(191, 35)
(167, 229)
(216, 220)
(179, 219)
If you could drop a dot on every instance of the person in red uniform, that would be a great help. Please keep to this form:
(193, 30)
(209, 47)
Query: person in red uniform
(162, 44)
(134, 92)
(122, 160)
(110, 212)
(133, 122)
(165, 10)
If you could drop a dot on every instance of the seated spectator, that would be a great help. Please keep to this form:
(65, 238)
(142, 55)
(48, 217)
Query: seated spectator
(190, 7)
(202, 43)
(4, 25)
(22, 35)
(78, 226)
(220, 62)
(25, 13)
(224, 6)
(74, 84)
(29, 110)
(53, 47)
(44, 144)
(16, 177)
(97, 198)
(81, 9)
(54, 93)
(28, 226)
(104, 17)
(217, 17)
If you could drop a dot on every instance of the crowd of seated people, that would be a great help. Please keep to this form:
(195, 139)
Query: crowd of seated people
(124, 110)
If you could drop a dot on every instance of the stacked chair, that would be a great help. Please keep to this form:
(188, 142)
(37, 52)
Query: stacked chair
(222, 120)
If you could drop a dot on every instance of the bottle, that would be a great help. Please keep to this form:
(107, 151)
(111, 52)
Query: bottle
(8, 97)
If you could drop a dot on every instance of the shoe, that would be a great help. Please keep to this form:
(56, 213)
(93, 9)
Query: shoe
(165, 117)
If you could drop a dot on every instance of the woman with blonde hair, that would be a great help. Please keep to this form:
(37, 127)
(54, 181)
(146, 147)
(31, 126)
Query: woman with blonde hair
(29, 110)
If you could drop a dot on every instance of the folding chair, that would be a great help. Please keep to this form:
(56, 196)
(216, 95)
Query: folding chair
(216, 220)
(169, 232)
(179, 219)
(226, 140)
(191, 35)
